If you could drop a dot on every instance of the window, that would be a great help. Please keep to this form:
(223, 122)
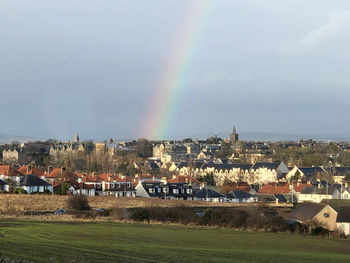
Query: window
(182, 191)
(128, 184)
(98, 185)
(151, 190)
(175, 191)
(118, 185)
(189, 191)
(326, 214)
(159, 190)
(112, 185)
(165, 189)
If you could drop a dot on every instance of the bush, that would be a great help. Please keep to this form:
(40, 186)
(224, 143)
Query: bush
(19, 191)
(319, 231)
(78, 202)
(139, 214)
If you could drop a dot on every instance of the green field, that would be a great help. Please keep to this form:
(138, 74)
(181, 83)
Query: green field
(127, 242)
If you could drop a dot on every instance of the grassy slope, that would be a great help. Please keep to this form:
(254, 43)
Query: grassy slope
(122, 242)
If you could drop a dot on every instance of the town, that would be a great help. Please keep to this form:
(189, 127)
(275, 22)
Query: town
(213, 170)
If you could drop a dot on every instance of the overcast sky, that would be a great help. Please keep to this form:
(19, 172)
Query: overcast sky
(91, 66)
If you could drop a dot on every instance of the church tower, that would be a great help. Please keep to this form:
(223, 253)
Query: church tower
(234, 135)
(76, 138)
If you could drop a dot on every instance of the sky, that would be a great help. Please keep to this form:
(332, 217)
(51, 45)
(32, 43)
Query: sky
(92, 66)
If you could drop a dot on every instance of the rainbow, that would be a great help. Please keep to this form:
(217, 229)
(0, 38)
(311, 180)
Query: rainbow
(169, 87)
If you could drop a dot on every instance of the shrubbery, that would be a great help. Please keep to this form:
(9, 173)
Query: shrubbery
(78, 202)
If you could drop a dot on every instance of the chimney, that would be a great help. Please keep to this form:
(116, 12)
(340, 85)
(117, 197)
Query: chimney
(298, 183)
(174, 176)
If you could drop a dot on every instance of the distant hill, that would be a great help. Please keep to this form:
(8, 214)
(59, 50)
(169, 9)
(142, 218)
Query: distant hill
(273, 137)
(7, 138)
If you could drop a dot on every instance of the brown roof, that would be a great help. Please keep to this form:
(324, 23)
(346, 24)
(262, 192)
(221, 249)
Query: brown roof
(183, 179)
(56, 172)
(31, 170)
(306, 211)
(343, 214)
(9, 171)
(283, 188)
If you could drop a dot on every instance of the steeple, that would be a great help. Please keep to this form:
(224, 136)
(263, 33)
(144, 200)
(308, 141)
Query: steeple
(234, 136)
(76, 138)
(234, 130)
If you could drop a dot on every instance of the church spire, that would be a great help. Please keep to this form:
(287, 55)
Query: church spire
(234, 136)
(76, 138)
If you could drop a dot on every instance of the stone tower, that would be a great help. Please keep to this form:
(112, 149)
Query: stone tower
(234, 135)
(76, 138)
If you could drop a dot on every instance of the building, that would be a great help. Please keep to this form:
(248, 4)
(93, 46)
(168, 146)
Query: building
(343, 220)
(16, 155)
(312, 213)
(239, 196)
(234, 137)
(32, 184)
(164, 190)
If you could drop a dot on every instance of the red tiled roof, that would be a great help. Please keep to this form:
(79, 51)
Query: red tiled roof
(8, 171)
(32, 170)
(281, 188)
(56, 172)
(183, 179)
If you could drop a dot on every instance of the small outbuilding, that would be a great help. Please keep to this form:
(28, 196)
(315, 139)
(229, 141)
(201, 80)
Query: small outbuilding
(343, 220)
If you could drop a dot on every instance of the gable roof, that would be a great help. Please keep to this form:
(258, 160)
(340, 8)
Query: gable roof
(3, 182)
(238, 194)
(32, 180)
(31, 170)
(7, 170)
(270, 166)
(206, 192)
(183, 179)
(307, 211)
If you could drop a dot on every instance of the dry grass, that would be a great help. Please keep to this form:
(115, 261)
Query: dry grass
(20, 204)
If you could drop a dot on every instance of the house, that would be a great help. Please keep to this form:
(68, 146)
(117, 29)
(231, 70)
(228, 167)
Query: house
(343, 192)
(315, 213)
(239, 196)
(184, 179)
(268, 172)
(53, 175)
(164, 190)
(208, 194)
(31, 170)
(315, 193)
(304, 174)
(108, 184)
(32, 184)
(7, 172)
(343, 220)
(4, 187)
(267, 198)
(18, 155)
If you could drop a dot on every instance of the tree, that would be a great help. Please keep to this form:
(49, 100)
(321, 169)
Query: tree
(225, 151)
(78, 202)
(208, 179)
(144, 148)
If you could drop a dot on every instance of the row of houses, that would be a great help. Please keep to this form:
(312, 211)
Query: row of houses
(256, 173)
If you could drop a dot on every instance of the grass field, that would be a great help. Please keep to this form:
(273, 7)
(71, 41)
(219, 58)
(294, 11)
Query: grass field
(131, 242)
